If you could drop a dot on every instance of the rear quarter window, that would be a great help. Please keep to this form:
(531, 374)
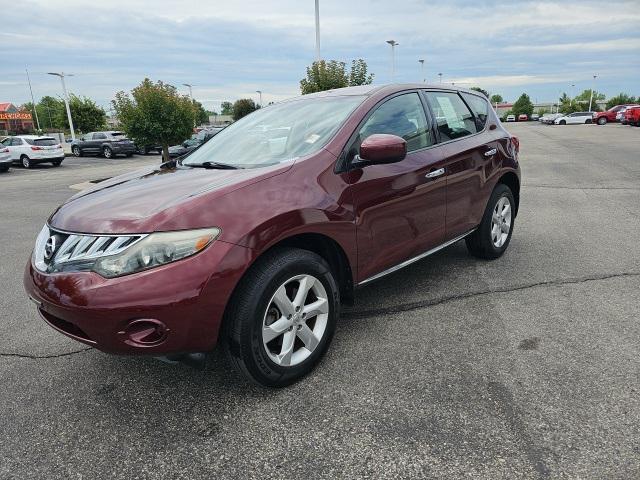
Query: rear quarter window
(480, 108)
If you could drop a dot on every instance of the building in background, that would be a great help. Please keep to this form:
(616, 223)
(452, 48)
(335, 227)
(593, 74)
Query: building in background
(13, 120)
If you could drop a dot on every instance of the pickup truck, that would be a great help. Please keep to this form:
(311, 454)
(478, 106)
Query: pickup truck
(107, 144)
(601, 118)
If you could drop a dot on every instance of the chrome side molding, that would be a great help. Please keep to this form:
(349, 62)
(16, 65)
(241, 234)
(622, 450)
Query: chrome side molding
(414, 259)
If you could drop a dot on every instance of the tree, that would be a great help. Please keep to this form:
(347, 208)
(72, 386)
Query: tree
(358, 74)
(496, 98)
(155, 114)
(86, 115)
(202, 116)
(522, 105)
(621, 99)
(582, 100)
(226, 108)
(243, 107)
(481, 90)
(323, 75)
(567, 105)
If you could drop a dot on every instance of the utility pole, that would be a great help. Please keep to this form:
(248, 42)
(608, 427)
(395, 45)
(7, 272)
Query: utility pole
(33, 102)
(592, 87)
(393, 44)
(259, 92)
(66, 100)
(422, 70)
(318, 58)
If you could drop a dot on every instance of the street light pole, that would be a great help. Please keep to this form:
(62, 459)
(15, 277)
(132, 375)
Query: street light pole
(440, 75)
(66, 100)
(571, 99)
(195, 120)
(592, 87)
(259, 92)
(422, 70)
(318, 30)
(393, 44)
(33, 102)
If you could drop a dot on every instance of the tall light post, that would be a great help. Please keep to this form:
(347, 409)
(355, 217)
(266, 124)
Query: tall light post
(33, 102)
(259, 92)
(195, 120)
(422, 70)
(593, 85)
(440, 75)
(318, 30)
(393, 44)
(66, 99)
(571, 99)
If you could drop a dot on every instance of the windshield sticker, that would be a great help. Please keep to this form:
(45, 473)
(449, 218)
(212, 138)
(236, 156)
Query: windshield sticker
(449, 112)
(313, 138)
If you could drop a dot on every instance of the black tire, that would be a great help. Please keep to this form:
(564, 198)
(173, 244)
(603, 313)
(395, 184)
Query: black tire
(107, 152)
(562, 122)
(76, 151)
(248, 306)
(26, 162)
(4, 169)
(480, 242)
(588, 121)
(602, 121)
(129, 155)
(57, 163)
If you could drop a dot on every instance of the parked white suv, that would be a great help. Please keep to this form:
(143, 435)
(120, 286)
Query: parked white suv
(29, 150)
(574, 118)
(5, 159)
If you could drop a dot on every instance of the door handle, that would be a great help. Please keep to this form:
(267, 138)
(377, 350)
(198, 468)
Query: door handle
(490, 153)
(435, 173)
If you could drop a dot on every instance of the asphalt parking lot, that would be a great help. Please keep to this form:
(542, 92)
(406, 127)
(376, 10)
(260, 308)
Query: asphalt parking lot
(524, 367)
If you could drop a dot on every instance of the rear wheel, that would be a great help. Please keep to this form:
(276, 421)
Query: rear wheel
(4, 169)
(602, 120)
(563, 122)
(492, 237)
(107, 152)
(57, 163)
(282, 317)
(26, 161)
(587, 121)
(76, 151)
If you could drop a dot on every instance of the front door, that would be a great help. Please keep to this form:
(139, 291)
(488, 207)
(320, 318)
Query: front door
(399, 207)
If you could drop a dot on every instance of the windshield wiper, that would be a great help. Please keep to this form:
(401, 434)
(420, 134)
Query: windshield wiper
(212, 165)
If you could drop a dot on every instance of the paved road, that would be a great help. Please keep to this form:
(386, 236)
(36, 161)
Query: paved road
(525, 367)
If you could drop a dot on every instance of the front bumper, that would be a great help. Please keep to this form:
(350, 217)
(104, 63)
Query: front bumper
(187, 298)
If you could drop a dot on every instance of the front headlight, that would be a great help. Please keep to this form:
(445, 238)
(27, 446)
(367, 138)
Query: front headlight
(154, 250)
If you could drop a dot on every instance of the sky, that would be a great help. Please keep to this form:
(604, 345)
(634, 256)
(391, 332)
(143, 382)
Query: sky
(229, 49)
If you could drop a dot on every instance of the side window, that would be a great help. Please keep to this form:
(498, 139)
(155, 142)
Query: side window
(99, 136)
(402, 116)
(479, 107)
(7, 141)
(453, 117)
(16, 142)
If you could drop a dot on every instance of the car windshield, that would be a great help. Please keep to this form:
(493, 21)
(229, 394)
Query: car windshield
(277, 133)
(42, 142)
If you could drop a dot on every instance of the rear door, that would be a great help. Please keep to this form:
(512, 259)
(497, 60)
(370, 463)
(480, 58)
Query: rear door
(98, 139)
(469, 155)
(399, 207)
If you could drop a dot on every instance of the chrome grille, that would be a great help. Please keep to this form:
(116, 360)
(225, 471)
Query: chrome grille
(78, 248)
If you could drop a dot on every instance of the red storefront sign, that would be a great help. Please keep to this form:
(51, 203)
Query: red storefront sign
(15, 116)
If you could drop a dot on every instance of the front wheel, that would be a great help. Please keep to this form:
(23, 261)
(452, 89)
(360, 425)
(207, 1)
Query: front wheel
(492, 237)
(602, 120)
(107, 152)
(282, 317)
(562, 122)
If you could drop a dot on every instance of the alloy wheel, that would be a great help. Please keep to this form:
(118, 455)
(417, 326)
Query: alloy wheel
(501, 222)
(26, 163)
(295, 320)
(76, 151)
(107, 152)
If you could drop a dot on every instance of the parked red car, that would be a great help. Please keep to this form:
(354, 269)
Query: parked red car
(602, 118)
(632, 116)
(255, 239)
(523, 117)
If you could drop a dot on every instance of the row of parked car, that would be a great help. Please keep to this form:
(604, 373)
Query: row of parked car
(30, 150)
(625, 114)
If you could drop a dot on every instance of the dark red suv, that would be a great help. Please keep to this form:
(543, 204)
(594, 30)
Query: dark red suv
(256, 238)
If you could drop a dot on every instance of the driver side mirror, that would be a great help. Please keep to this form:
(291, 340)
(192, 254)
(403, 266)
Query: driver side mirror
(379, 149)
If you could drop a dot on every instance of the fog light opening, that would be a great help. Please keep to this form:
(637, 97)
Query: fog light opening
(145, 332)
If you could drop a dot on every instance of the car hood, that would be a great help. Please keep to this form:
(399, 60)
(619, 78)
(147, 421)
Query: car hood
(155, 199)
